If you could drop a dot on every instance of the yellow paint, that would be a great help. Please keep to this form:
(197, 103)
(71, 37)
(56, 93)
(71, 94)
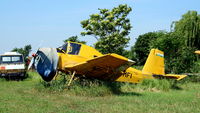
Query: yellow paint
(91, 63)
(154, 63)
(131, 75)
(197, 52)
(177, 77)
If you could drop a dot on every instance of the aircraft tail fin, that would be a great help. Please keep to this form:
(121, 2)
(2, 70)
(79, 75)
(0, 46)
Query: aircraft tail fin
(155, 63)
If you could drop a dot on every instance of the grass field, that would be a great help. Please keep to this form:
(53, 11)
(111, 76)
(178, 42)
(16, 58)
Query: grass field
(29, 96)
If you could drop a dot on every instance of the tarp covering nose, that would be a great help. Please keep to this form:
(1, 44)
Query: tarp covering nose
(46, 63)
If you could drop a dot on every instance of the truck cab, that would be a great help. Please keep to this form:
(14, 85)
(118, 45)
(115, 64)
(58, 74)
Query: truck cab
(12, 65)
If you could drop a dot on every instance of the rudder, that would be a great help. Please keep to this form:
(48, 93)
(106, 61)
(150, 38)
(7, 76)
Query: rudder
(155, 63)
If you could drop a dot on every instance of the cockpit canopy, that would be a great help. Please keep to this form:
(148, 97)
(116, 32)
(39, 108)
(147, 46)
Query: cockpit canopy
(70, 48)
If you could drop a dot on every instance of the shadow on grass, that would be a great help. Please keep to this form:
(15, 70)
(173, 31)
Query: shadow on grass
(129, 94)
(14, 77)
(175, 87)
(115, 88)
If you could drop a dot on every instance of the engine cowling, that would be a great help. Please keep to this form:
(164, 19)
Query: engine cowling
(45, 62)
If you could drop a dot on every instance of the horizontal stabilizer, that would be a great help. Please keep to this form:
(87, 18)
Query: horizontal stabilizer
(177, 77)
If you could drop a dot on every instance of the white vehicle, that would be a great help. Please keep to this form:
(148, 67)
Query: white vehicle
(12, 65)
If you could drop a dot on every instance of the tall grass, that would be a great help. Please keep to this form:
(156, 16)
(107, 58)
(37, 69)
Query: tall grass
(94, 87)
(80, 87)
(33, 95)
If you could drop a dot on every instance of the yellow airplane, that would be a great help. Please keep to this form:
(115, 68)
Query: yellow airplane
(81, 60)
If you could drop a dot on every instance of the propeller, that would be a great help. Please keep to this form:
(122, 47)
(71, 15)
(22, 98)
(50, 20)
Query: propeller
(34, 55)
(32, 61)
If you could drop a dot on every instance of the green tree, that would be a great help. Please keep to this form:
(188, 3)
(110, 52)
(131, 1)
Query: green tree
(24, 51)
(179, 45)
(188, 27)
(188, 30)
(170, 44)
(140, 50)
(74, 39)
(110, 27)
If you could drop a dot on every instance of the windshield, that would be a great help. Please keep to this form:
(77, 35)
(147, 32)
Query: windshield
(72, 49)
(11, 59)
(63, 48)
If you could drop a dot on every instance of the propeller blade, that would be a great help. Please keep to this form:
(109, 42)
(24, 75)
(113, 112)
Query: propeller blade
(31, 63)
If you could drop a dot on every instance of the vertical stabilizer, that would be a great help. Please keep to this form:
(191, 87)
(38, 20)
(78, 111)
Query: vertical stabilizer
(155, 63)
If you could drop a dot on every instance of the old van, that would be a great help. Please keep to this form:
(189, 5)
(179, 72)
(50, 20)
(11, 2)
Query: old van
(12, 65)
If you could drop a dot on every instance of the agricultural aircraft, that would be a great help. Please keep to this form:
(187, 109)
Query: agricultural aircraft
(80, 60)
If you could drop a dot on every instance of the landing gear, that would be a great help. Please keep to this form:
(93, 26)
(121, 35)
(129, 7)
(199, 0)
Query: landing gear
(72, 76)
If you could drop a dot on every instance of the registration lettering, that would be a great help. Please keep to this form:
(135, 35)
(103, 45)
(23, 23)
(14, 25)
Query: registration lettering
(127, 75)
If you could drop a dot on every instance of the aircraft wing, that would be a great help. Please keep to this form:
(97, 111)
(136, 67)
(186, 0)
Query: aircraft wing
(103, 65)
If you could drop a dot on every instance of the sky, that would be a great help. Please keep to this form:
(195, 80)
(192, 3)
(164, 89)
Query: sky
(46, 23)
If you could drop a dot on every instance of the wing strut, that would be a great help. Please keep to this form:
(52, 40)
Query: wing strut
(72, 76)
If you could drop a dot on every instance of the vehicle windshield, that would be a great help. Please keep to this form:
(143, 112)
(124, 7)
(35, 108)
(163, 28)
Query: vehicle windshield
(11, 59)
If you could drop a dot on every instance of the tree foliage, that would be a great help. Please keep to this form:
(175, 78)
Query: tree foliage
(74, 39)
(110, 27)
(187, 30)
(178, 57)
(179, 44)
(142, 46)
(24, 51)
(188, 27)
